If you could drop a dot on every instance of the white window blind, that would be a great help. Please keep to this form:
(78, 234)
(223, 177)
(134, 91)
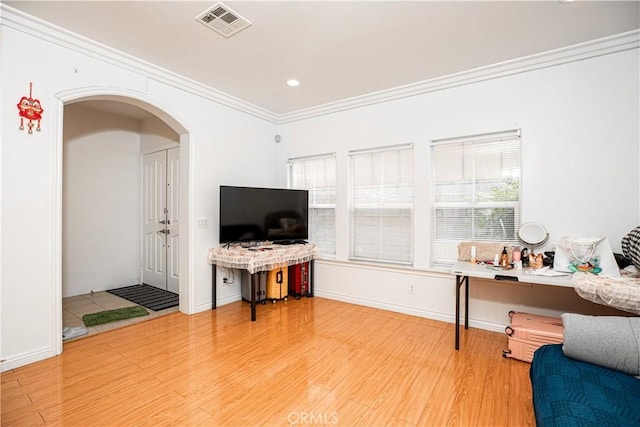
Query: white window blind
(318, 175)
(476, 192)
(382, 205)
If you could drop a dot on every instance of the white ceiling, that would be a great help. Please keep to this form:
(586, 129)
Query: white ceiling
(337, 50)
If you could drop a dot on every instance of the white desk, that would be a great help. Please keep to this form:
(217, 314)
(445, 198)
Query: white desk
(464, 270)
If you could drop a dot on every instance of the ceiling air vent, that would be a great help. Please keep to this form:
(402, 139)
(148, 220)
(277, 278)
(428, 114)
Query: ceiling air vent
(223, 20)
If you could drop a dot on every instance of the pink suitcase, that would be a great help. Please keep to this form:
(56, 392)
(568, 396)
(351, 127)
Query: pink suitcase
(528, 332)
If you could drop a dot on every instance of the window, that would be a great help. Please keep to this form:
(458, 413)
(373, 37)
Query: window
(382, 205)
(476, 192)
(318, 175)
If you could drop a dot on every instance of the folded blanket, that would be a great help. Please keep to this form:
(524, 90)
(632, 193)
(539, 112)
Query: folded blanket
(609, 341)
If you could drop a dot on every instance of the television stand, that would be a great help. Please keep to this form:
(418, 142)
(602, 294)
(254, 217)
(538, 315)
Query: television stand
(258, 259)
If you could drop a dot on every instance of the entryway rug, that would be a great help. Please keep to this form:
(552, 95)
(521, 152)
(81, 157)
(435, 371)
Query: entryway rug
(107, 316)
(147, 296)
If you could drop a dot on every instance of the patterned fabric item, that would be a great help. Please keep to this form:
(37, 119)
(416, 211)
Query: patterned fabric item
(631, 246)
(567, 392)
(622, 293)
(262, 258)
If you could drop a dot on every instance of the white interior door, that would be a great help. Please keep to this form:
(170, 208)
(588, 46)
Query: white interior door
(173, 219)
(154, 184)
(161, 186)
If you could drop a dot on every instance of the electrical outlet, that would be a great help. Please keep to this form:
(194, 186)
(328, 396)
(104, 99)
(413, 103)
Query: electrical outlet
(412, 289)
(225, 279)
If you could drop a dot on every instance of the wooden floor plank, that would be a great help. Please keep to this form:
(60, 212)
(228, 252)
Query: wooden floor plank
(450, 379)
(520, 395)
(424, 385)
(311, 361)
(381, 410)
(95, 408)
(495, 395)
(469, 397)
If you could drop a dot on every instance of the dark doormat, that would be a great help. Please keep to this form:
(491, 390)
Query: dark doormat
(147, 296)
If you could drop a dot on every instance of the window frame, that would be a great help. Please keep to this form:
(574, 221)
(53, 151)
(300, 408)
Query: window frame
(406, 206)
(438, 258)
(312, 204)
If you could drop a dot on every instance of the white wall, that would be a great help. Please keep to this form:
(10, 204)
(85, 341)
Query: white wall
(224, 146)
(580, 154)
(101, 201)
(580, 147)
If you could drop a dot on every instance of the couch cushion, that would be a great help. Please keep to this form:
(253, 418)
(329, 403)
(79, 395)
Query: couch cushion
(568, 392)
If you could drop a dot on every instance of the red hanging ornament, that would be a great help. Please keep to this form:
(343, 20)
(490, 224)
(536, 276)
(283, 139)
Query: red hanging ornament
(31, 110)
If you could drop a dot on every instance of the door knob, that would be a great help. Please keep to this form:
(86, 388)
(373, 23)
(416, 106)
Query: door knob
(163, 231)
(162, 222)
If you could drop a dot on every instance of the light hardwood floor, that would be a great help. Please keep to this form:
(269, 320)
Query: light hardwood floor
(312, 361)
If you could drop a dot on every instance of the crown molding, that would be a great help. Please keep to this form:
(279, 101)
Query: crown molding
(46, 31)
(20, 21)
(591, 49)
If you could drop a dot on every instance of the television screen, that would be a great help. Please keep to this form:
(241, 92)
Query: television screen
(259, 214)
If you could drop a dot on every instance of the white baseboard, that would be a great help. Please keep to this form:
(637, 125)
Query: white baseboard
(27, 358)
(228, 300)
(220, 302)
(443, 317)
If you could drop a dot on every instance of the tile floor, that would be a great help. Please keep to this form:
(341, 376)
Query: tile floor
(73, 308)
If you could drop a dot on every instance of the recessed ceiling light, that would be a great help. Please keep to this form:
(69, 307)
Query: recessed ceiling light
(293, 83)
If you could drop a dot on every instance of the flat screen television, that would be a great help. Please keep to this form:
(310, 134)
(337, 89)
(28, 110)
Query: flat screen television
(249, 214)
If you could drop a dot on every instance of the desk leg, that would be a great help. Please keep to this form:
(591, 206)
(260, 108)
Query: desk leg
(311, 267)
(213, 287)
(466, 302)
(460, 280)
(254, 277)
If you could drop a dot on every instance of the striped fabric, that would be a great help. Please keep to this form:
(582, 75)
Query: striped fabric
(631, 246)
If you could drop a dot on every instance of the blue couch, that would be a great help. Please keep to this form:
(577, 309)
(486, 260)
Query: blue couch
(569, 392)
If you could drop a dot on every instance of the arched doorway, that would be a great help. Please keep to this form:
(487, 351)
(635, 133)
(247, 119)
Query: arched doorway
(124, 98)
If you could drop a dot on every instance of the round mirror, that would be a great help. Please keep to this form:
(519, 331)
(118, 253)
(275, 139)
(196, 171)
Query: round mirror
(532, 233)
